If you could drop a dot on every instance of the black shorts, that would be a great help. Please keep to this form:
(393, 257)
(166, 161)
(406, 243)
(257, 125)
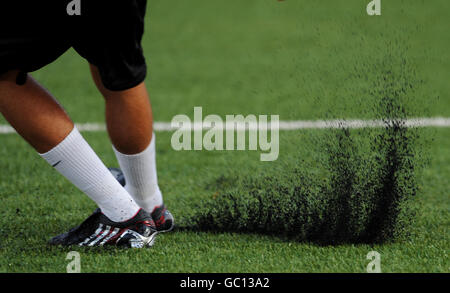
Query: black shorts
(107, 34)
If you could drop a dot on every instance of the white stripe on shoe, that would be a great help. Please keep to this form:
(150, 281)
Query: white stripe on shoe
(102, 235)
(93, 236)
(111, 235)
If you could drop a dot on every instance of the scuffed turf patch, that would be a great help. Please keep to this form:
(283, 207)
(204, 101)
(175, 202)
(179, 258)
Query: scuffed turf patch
(358, 188)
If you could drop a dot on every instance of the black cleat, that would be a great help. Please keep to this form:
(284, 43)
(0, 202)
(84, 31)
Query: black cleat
(162, 217)
(98, 230)
(164, 221)
(118, 174)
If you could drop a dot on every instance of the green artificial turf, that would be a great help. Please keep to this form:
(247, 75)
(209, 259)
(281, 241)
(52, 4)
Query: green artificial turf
(38, 203)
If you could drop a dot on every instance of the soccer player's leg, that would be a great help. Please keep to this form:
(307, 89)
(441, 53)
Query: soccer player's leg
(42, 122)
(31, 110)
(130, 127)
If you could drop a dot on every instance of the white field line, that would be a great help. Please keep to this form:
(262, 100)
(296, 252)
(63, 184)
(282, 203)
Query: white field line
(283, 125)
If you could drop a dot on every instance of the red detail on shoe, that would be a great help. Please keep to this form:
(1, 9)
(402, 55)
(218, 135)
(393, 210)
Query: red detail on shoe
(148, 223)
(114, 238)
(155, 208)
(160, 221)
(101, 233)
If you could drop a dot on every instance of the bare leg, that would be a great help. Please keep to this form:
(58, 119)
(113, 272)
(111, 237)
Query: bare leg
(128, 116)
(129, 120)
(33, 112)
(41, 121)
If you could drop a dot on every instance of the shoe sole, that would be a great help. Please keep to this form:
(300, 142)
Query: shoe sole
(170, 229)
(167, 230)
(143, 241)
(150, 241)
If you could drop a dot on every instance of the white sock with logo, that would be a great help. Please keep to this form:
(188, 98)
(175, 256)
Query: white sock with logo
(78, 162)
(140, 176)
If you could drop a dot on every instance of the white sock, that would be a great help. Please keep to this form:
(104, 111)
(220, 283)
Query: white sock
(77, 161)
(140, 176)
